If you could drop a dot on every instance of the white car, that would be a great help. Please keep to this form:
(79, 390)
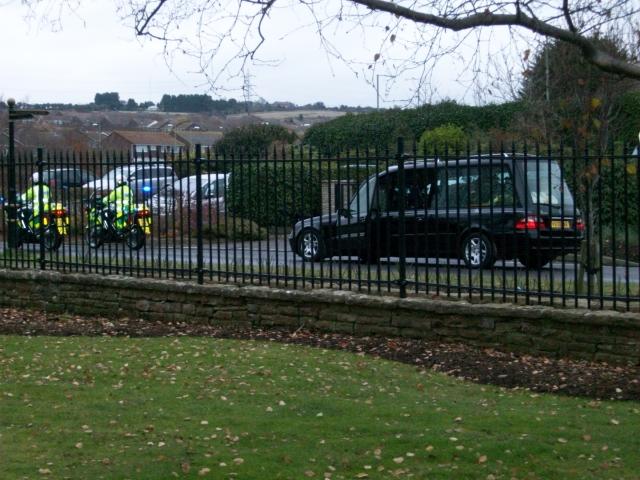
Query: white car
(143, 179)
(183, 193)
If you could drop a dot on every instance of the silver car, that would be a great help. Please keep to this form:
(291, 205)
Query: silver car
(182, 193)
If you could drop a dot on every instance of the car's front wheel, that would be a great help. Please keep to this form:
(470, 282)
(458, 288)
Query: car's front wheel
(311, 246)
(94, 236)
(478, 251)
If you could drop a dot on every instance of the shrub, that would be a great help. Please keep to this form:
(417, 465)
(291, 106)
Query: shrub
(440, 138)
(274, 193)
(618, 193)
(254, 138)
(627, 123)
(615, 194)
(234, 228)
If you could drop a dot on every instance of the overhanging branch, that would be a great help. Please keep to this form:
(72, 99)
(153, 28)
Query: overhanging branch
(600, 58)
(145, 19)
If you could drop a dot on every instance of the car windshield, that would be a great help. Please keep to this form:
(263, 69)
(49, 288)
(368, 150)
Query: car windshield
(546, 185)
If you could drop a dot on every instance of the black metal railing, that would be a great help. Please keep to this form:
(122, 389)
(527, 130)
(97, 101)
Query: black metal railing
(550, 225)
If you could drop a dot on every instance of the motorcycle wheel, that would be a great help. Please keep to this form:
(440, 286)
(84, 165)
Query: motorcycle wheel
(94, 236)
(19, 237)
(51, 238)
(136, 238)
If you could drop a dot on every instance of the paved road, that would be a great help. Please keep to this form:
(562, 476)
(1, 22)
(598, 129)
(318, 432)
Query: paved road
(267, 254)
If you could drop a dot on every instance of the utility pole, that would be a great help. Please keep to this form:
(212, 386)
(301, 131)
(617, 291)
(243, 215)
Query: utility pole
(12, 207)
(247, 91)
(546, 70)
(99, 131)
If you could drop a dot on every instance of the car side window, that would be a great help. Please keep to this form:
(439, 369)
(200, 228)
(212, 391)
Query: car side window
(73, 177)
(214, 189)
(361, 201)
(144, 174)
(475, 187)
(418, 190)
(163, 172)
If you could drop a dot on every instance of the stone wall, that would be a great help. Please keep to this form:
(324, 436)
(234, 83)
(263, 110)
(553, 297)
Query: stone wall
(582, 334)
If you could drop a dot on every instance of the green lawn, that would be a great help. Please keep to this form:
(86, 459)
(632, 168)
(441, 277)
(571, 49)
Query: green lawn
(90, 408)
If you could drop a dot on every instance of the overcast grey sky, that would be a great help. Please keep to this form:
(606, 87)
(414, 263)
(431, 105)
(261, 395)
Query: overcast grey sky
(95, 51)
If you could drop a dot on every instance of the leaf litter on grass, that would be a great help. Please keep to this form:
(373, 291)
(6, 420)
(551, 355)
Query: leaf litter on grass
(154, 407)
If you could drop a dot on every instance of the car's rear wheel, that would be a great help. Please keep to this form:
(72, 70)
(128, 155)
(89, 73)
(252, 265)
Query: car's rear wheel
(478, 251)
(311, 246)
(535, 261)
(51, 238)
(136, 238)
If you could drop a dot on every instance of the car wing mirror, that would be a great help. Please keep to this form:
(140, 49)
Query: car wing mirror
(344, 212)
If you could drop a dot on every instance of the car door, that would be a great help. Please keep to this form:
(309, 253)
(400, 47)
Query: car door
(160, 177)
(352, 222)
(419, 187)
(139, 182)
(451, 209)
(213, 193)
(385, 226)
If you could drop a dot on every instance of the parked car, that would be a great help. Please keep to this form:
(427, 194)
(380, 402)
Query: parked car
(143, 179)
(183, 192)
(64, 178)
(479, 209)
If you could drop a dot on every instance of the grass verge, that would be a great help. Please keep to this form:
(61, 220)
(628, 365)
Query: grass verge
(184, 407)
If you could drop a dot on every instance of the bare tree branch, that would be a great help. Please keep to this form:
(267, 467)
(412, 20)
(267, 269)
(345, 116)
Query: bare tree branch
(140, 29)
(567, 16)
(487, 19)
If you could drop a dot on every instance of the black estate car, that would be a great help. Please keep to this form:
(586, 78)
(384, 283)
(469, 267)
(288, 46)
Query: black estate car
(479, 209)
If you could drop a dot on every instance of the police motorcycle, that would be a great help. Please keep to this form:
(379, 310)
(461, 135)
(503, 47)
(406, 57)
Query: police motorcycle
(54, 218)
(105, 223)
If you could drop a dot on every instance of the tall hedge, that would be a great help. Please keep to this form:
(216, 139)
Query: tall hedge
(274, 194)
(380, 129)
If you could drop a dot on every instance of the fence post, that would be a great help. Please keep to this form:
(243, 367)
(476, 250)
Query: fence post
(12, 210)
(200, 255)
(402, 247)
(41, 215)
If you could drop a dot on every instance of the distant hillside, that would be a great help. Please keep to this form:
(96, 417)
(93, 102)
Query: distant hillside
(298, 121)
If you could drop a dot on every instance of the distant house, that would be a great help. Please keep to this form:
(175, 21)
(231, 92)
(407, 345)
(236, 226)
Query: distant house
(139, 143)
(191, 138)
